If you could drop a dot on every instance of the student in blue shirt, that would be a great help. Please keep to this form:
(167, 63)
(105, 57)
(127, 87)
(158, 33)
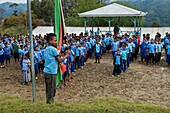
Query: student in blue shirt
(143, 48)
(1, 57)
(107, 40)
(103, 44)
(90, 51)
(124, 58)
(72, 56)
(68, 65)
(25, 68)
(117, 62)
(98, 51)
(52, 60)
(77, 59)
(114, 47)
(152, 50)
(39, 58)
(83, 52)
(7, 51)
(168, 54)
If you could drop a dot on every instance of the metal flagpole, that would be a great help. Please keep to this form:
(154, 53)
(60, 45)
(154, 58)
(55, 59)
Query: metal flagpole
(32, 49)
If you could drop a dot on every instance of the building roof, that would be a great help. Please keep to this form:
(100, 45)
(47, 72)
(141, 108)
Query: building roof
(112, 10)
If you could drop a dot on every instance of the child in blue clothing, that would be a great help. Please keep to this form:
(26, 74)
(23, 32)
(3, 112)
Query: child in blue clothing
(143, 48)
(124, 58)
(117, 62)
(77, 59)
(98, 51)
(114, 47)
(67, 62)
(168, 54)
(2, 57)
(152, 50)
(103, 45)
(72, 56)
(7, 51)
(83, 52)
(39, 54)
(25, 68)
(90, 51)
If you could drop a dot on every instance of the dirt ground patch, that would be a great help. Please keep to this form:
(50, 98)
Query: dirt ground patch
(140, 83)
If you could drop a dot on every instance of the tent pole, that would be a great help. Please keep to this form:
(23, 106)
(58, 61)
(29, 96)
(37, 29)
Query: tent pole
(92, 25)
(135, 25)
(138, 23)
(109, 24)
(140, 27)
(85, 21)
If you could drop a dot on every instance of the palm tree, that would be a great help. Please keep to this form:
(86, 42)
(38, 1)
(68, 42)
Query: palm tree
(15, 9)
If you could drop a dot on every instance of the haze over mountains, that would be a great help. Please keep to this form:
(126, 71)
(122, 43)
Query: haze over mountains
(158, 10)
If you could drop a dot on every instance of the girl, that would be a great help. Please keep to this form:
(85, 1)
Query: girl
(2, 57)
(25, 68)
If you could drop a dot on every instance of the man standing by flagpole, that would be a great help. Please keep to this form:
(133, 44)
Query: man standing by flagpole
(51, 66)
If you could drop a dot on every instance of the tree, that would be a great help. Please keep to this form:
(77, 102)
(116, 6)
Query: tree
(15, 9)
(155, 24)
(1, 13)
(81, 6)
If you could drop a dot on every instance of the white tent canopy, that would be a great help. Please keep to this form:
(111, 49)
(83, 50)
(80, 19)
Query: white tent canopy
(112, 10)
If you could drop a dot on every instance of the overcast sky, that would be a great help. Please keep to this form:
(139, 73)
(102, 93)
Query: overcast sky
(16, 1)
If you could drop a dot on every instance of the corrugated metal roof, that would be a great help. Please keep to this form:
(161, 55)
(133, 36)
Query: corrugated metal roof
(112, 10)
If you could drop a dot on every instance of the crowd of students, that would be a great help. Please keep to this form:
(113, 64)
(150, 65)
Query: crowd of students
(124, 49)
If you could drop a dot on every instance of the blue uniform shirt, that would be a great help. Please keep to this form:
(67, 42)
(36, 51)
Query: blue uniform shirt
(107, 40)
(143, 47)
(51, 63)
(168, 49)
(39, 54)
(97, 48)
(114, 46)
(103, 43)
(72, 55)
(1, 52)
(25, 65)
(7, 50)
(78, 51)
(124, 54)
(117, 60)
(152, 48)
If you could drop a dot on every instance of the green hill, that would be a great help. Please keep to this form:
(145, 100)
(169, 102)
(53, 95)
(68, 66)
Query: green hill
(9, 11)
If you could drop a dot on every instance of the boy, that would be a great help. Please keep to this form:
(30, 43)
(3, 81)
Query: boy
(152, 50)
(143, 48)
(168, 54)
(124, 57)
(98, 51)
(117, 64)
(77, 59)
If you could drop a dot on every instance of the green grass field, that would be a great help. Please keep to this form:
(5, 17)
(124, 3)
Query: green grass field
(12, 104)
